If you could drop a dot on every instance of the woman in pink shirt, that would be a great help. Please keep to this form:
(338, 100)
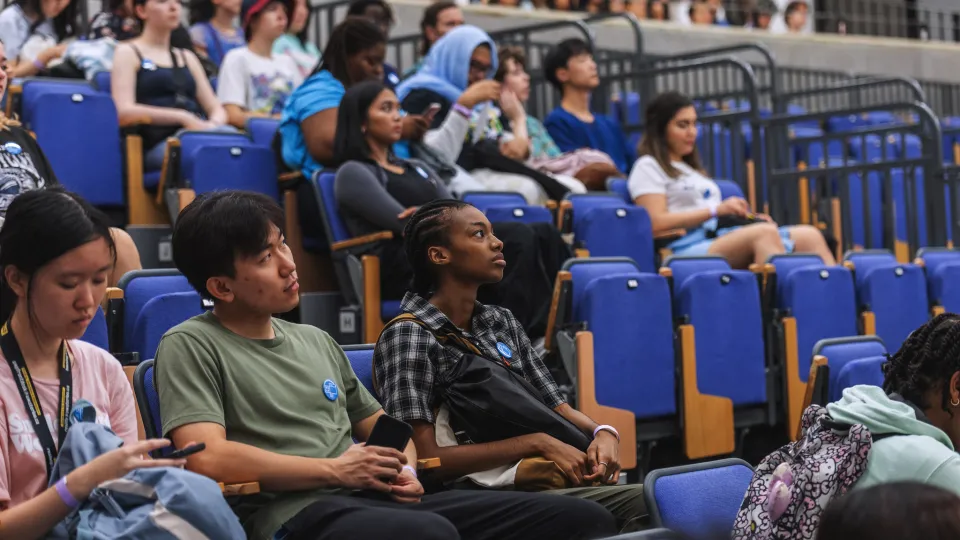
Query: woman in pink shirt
(56, 253)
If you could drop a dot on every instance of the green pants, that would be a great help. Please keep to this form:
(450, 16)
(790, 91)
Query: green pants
(624, 502)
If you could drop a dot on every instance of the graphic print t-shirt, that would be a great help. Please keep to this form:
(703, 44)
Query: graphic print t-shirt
(257, 83)
(23, 171)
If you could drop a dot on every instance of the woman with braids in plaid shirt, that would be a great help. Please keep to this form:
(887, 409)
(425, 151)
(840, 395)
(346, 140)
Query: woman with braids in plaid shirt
(453, 252)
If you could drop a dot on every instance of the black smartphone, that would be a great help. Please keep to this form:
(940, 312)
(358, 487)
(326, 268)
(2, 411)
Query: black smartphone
(389, 432)
(188, 451)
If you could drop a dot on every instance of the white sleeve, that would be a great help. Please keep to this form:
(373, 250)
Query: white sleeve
(447, 140)
(291, 68)
(232, 79)
(646, 178)
(11, 33)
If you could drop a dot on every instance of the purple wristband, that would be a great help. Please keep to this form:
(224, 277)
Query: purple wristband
(411, 469)
(465, 112)
(65, 495)
(39, 65)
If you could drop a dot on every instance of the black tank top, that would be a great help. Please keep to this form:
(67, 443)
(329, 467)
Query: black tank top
(171, 87)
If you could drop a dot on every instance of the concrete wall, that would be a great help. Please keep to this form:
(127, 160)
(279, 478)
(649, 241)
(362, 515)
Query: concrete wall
(934, 61)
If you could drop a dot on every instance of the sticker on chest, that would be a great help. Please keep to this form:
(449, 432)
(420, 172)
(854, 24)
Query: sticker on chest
(330, 390)
(504, 350)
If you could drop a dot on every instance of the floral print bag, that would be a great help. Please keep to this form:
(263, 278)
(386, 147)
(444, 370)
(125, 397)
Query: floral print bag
(792, 486)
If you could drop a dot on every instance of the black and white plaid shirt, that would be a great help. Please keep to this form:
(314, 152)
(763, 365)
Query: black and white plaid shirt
(410, 362)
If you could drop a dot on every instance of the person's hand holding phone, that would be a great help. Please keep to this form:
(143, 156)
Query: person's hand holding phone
(372, 468)
(414, 127)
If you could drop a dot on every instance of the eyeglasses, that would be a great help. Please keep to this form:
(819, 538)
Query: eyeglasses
(480, 67)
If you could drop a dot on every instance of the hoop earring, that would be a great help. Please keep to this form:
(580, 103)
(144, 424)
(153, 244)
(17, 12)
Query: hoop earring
(955, 402)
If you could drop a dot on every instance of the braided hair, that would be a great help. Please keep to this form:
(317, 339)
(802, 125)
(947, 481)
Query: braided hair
(352, 36)
(425, 229)
(927, 359)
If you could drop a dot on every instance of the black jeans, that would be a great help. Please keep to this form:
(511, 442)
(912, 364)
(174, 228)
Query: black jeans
(452, 515)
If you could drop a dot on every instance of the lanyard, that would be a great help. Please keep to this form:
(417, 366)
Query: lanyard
(13, 354)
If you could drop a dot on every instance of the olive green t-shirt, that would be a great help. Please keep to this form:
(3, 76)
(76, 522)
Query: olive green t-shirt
(295, 394)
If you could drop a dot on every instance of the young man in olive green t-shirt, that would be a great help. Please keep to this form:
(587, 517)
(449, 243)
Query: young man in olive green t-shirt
(278, 403)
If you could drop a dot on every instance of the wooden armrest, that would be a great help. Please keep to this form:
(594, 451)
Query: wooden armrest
(562, 276)
(134, 122)
(670, 234)
(361, 240)
(12, 92)
(624, 421)
(430, 463)
(868, 320)
(581, 253)
(708, 428)
(289, 177)
(230, 490)
(172, 144)
(796, 389)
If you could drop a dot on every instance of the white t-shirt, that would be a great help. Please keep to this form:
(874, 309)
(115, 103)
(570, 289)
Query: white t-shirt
(15, 31)
(257, 83)
(690, 191)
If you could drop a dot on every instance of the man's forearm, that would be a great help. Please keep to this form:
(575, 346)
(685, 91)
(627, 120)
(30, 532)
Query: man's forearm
(577, 418)
(232, 463)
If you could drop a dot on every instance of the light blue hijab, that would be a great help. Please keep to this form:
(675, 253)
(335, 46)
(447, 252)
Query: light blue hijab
(447, 65)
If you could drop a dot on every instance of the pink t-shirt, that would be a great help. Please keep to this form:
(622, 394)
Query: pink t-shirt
(97, 378)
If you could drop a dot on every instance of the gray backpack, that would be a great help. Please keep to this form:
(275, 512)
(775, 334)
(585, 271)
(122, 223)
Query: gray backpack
(147, 504)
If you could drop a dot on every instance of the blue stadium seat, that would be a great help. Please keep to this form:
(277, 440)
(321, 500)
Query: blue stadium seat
(567, 303)
(724, 308)
(91, 165)
(355, 275)
(485, 199)
(138, 288)
(148, 401)
(840, 124)
(822, 301)
(212, 161)
(96, 332)
(361, 360)
(582, 203)
(621, 188)
(942, 267)
(521, 214)
(860, 221)
(159, 314)
(625, 365)
(729, 188)
(623, 231)
(684, 266)
(861, 371)
(262, 130)
(630, 317)
(814, 303)
(841, 351)
(101, 81)
(870, 148)
(897, 296)
(701, 500)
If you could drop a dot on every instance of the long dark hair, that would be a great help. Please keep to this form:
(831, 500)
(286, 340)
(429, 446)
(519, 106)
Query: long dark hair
(65, 25)
(892, 511)
(40, 226)
(350, 37)
(925, 362)
(350, 143)
(426, 228)
(659, 113)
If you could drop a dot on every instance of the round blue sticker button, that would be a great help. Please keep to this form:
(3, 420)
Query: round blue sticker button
(504, 350)
(12, 148)
(330, 390)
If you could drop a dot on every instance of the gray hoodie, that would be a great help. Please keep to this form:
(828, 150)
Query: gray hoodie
(923, 453)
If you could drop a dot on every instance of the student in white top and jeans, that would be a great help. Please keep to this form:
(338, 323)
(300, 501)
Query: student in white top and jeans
(254, 82)
(667, 181)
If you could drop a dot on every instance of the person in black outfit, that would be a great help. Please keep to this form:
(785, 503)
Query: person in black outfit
(376, 191)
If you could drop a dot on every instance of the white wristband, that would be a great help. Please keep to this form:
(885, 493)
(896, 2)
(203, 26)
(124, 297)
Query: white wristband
(414, 471)
(605, 427)
(713, 210)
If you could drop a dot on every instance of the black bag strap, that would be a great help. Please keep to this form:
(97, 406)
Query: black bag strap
(457, 340)
(28, 393)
